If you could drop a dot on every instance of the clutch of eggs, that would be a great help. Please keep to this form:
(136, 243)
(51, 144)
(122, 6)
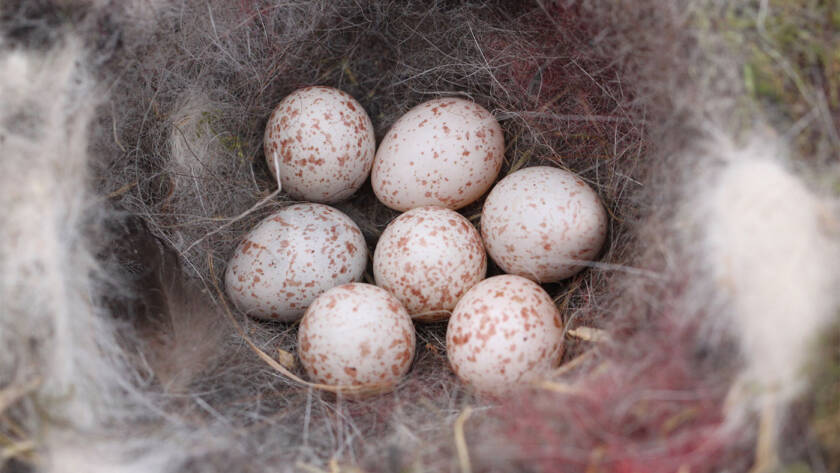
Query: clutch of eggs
(538, 224)
(293, 256)
(428, 258)
(319, 144)
(445, 152)
(543, 223)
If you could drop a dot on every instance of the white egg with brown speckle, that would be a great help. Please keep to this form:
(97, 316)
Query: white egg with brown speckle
(428, 258)
(445, 152)
(321, 143)
(543, 223)
(293, 256)
(505, 331)
(356, 334)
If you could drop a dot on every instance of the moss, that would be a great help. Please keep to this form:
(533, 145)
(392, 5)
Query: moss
(761, 81)
(232, 143)
(795, 468)
(790, 53)
(825, 417)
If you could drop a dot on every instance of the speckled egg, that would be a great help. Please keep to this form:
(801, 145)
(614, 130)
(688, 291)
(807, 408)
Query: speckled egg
(293, 256)
(542, 223)
(428, 258)
(505, 330)
(321, 142)
(356, 334)
(444, 152)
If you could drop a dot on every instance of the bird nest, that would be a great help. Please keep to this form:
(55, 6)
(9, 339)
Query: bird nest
(162, 109)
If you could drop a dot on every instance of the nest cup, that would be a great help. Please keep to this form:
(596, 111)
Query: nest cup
(177, 161)
(203, 180)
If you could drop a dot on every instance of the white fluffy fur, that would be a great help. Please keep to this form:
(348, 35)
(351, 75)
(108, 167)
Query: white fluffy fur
(771, 261)
(46, 267)
(51, 328)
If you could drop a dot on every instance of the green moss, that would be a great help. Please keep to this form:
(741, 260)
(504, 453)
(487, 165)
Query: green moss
(230, 142)
(824, 421)
(233, 144)
(761, 81)
(795, 468)
(789, 53)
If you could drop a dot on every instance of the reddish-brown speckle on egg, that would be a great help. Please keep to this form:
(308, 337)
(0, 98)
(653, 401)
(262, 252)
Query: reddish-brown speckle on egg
(428, 258)
(356, 334)
(542, 223)
(321, 142)
(505, 330)
(444, 152)
(293, 256)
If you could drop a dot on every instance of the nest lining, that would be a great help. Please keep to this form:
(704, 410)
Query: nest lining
(196, 159)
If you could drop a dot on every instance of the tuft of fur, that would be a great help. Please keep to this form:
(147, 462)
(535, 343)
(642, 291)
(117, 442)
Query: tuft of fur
(58, 340)
(45, 258)
(767, 246)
